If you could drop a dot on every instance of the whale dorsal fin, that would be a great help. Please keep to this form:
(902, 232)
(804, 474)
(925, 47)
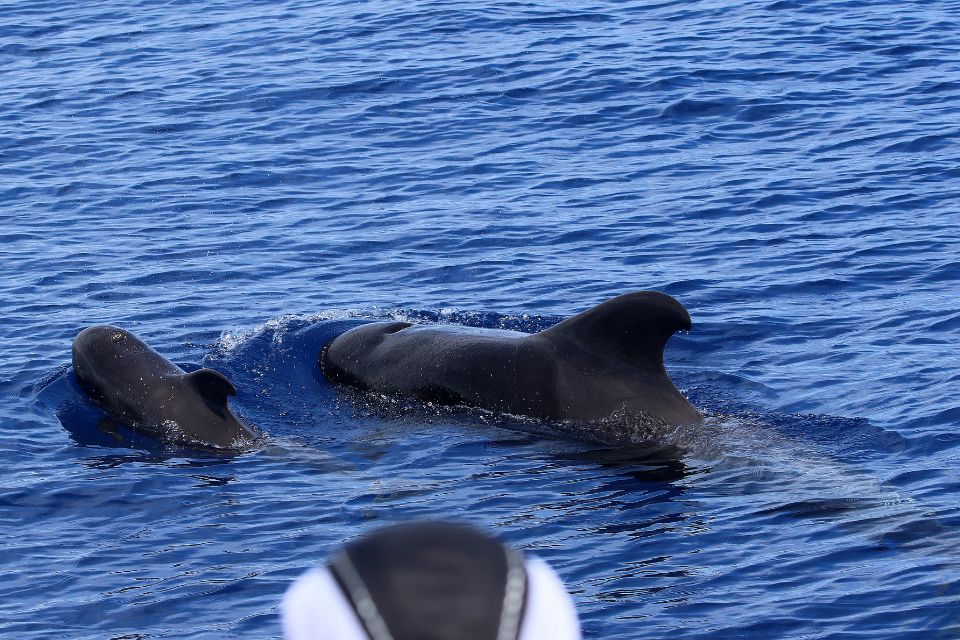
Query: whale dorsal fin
(633, 327)
(212, 385)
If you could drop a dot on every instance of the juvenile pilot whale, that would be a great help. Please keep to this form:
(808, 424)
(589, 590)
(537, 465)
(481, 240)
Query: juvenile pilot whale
(606, 360)
(138, 386)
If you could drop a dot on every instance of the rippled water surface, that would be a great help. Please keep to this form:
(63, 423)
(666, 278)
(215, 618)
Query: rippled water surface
(237, 182)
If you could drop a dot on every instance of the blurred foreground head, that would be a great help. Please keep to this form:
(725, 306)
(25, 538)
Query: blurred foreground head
(429, 581)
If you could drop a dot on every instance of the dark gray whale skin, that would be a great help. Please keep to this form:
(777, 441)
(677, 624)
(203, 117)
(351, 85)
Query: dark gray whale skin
(604, 361)
(138, 386)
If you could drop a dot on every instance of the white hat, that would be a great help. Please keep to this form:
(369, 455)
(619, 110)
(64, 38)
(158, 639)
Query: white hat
(440, 581)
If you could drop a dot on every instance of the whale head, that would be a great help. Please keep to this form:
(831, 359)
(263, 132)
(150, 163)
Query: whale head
(138, 386)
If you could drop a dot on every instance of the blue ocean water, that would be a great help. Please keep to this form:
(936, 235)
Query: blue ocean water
(236, 182)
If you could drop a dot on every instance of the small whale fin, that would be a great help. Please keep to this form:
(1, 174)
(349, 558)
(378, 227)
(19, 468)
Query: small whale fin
(212, 385)
(633, 327)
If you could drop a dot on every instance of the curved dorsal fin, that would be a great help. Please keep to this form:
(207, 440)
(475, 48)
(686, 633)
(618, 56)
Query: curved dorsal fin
(633, 327)
(212, 385)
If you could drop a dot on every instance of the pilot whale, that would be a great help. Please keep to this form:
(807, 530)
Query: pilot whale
(139, 387)
(607, 360)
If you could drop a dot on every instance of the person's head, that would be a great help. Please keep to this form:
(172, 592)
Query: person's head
(429, 581)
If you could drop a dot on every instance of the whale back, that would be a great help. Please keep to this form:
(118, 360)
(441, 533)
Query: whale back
(606, 360)
(632, 328)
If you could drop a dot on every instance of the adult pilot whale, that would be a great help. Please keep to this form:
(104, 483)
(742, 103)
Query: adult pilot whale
(138, 386)
(604, 361)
